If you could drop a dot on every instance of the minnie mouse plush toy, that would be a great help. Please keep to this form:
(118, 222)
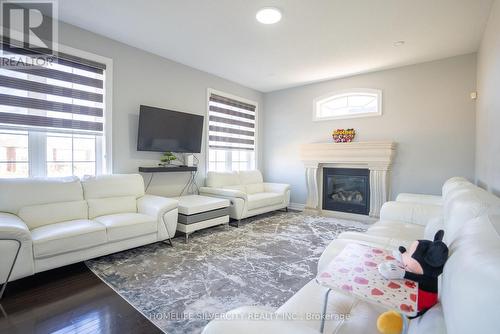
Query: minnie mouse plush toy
(423, 262)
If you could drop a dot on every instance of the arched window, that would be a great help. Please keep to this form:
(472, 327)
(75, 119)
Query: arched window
(351, 103)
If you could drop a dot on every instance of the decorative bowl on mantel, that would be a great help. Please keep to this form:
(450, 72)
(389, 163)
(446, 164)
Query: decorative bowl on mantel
(343, 135)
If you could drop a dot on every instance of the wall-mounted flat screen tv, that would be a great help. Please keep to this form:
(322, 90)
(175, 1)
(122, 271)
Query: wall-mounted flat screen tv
(162, 130)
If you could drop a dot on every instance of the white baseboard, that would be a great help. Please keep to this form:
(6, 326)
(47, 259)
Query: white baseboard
(297, 206)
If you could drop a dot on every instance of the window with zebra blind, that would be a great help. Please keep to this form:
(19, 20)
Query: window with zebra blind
(232, 129)
(53, 114)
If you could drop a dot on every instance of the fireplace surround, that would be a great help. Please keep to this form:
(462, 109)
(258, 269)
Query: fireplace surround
(375, 158)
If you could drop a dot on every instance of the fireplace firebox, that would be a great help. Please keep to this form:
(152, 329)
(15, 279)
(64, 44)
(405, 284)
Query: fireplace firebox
(346, 190)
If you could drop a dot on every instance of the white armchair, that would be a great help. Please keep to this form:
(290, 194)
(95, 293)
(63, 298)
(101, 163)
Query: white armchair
(248, 193)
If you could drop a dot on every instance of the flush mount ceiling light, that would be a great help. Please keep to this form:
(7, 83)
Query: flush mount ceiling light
(268, 15)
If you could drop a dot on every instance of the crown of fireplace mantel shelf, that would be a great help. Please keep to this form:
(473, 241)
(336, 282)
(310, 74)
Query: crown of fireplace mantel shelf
(375, 156)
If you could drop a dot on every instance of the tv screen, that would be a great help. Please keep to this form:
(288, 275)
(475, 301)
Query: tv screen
(162, 130)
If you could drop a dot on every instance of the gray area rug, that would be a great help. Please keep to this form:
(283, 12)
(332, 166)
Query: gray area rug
(263, 262)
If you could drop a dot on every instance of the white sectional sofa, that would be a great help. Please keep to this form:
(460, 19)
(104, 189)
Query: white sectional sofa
(247, 191)
(469, 293)
(49, 223)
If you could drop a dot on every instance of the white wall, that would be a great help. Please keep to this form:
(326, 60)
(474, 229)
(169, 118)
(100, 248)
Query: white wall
(427, 111)
(488, 105)
(139, 78)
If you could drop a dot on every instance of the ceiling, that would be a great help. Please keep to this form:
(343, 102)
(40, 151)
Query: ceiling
(316, 39)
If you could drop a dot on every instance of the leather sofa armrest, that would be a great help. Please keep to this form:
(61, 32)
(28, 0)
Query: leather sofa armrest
(420, 199)
(155, 206)
(16, 248)
(13, 227)
(164, 210)
(222, 192)
(276, 187)
(407, 212)
(252, 320)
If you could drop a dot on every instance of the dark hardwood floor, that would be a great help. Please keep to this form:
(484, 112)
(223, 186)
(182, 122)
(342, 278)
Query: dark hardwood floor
(68, 300)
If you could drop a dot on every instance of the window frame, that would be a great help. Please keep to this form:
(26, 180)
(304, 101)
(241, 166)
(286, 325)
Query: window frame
(8, 131)
(326, 97)
(228, 160)
(37, 140)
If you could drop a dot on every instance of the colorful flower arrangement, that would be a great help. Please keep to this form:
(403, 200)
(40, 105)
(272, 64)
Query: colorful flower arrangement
(343, 135)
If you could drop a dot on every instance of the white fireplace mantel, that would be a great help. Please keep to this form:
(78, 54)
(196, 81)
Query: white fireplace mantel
(375, 156)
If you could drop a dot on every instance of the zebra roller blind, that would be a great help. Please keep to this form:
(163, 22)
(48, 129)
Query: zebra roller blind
(231, 124)
(66, 94)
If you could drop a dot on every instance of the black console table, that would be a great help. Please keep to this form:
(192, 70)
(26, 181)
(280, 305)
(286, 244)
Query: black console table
(160, 169)
(172, 169)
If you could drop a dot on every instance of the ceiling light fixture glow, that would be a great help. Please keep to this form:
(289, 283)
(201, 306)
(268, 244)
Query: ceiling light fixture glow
(268, 15)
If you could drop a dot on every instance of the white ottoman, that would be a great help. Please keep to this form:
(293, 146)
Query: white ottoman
(199, 212)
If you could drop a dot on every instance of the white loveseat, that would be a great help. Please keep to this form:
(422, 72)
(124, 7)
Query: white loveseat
(248, 193)
(469, 294)
(51, 222)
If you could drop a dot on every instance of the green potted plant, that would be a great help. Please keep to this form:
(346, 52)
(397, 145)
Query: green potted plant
(167, 158)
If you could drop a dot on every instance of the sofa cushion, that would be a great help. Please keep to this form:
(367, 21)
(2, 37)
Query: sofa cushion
(397, 230)
(66, 237)
(254, 188)
(107, 206)
(18, 193)
(431, 322)
(260, 200)
(255, 319)
(469, 290)
(435, 224)
(236, 187)
(454, 183)
(250, 177)
(128, 225)
(348, 315)
(420, 199)
(45, 214)
(465, 204)
(116, 185)
(415, 213)
(222, 179)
